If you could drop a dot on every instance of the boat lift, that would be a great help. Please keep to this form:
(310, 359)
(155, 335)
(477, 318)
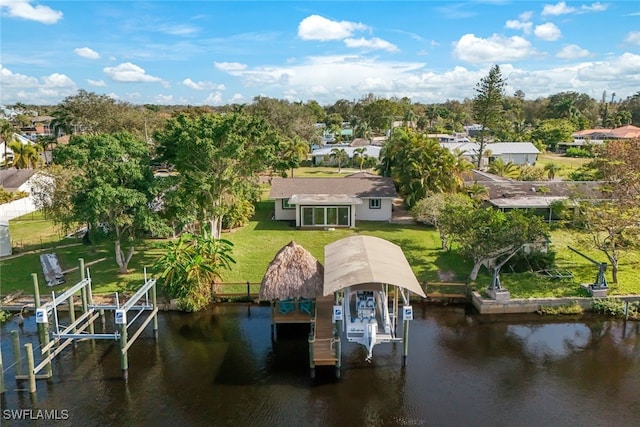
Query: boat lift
(55, 337)
(600, 284)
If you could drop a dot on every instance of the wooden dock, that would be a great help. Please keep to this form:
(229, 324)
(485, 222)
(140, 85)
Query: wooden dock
(324, 352)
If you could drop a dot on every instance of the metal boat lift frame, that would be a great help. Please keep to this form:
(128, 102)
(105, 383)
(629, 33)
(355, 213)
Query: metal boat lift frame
(55, 338)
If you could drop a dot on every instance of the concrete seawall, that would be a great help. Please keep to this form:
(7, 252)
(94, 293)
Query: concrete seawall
(531, 305)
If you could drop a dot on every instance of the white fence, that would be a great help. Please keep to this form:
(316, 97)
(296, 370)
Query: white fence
(17, 208)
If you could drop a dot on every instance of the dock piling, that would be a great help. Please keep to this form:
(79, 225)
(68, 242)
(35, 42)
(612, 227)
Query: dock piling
(15, 341)
(2, 389)
(30, 366)
(124, 363)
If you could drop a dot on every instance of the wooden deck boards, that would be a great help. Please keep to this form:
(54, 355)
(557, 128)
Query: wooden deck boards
(324, 351)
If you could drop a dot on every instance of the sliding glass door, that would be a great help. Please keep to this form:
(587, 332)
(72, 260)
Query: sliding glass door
(325, 216)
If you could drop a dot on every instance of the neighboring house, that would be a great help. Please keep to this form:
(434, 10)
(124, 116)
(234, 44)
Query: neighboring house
(598, 136)
(333, 202)
(322, 155)
(507, 194)
(519, 153)
(17, 180)
(446, 138)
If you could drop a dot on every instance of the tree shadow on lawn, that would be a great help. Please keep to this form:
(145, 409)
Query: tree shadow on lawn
(429, 264)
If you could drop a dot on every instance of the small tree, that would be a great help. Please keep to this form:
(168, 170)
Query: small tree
(486, 233)
(190, 265)
(430, 209)
(360, 154)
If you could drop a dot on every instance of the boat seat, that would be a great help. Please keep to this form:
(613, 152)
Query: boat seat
(286, 306)
(306, 306)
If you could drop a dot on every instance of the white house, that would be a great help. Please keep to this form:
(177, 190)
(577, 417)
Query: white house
(333, 202)
(318, 156)
(520, 153)
(5, 238)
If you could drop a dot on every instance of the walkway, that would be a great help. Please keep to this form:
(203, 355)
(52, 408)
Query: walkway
(400, 214)
(324, 352)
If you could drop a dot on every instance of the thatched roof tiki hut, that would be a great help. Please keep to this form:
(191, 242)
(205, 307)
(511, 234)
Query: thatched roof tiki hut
(292, 281)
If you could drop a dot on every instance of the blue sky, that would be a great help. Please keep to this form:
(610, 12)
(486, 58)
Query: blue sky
(220, 52)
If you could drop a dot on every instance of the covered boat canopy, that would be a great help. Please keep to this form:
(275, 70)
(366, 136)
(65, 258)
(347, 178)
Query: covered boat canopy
(359, 260)
(293, 273)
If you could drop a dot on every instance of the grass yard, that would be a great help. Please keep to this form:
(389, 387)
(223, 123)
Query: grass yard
(256, 245)
(567, 164)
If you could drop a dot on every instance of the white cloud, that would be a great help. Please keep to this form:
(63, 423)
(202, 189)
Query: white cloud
(633, 37)
(230, 67)
(496, 48)
(214, 98)
(525, 16)
(49, 89)
(237, 98)
(23, 9)
(164, 99)
(178, 30)
(572, 51)
(11, 79)
(316, 27)
(595, 7)
(374, 43)
(96, 83)
(519, 25)
(58, 80)
(548, 32)
(128, 72)
(202, 85)
(86, 52)
(560, 8)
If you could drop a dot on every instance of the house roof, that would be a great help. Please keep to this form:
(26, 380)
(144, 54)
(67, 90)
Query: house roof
(359, 260)
(497, 148)
(12, 179)
(622, 132)
(293, 273)
(355, 186)
(533, 194)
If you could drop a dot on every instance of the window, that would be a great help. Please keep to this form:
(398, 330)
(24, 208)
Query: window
(375, 203)
(286, 205)
(320, 216)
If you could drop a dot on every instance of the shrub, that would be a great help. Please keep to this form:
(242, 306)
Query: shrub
(4, 316)
(615, 308)
(574, 308)
(532, 261)
(579, 152)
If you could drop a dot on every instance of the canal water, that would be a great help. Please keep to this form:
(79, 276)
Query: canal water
(220, 368)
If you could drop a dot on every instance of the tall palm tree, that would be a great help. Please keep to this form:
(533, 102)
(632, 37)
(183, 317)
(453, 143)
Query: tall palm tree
(361, 155)
(294, 151)
(339, 155)
(25, 156)
(7, 132)
(460, 167)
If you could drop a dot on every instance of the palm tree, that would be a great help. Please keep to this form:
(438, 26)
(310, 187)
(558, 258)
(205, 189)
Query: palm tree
(361, 155)
(7, 133)
(500, 168)
(190, 265)
(478, 192)
(460, 167)
(339, 155)
(551, 169)
(25, 156)
(293, 152)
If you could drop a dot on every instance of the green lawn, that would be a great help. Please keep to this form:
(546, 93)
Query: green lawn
(567, 164)
(256, 244)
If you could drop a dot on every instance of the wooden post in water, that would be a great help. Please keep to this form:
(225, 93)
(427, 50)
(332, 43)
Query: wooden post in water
(312, 365)
(155, 316)
(30, 366)
(43, 328)
(405, 341)
(124, 363)
(2, 389)
(338, 356)
(85, 297)
(15, 341)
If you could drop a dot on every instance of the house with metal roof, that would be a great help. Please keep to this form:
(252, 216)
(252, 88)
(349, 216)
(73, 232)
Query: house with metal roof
(519, 153)
(333, 202)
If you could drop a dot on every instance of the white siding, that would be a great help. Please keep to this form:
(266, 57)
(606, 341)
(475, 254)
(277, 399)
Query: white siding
(519, 159)
(284, 214)
(363, 213)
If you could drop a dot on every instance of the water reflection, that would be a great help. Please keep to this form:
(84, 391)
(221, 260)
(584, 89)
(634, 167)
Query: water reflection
(219, 367)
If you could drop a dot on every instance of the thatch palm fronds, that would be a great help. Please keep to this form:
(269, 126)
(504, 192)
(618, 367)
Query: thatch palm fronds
(293, 273)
